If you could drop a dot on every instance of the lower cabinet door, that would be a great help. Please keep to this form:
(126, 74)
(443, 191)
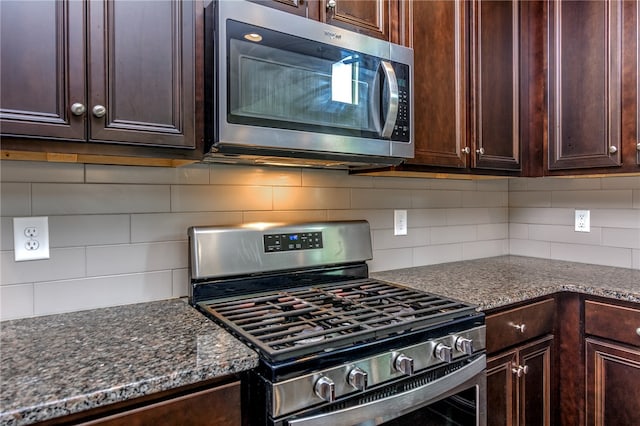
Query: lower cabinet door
(501, 390)
(613, 383)
(535, 383)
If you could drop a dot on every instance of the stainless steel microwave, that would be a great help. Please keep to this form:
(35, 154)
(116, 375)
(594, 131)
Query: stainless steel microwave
(285, 90)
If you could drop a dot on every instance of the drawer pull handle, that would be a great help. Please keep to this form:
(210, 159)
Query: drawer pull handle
(520, 370)
(520, 327)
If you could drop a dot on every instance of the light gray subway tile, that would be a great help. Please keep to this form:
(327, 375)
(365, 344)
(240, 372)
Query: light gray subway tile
(64, 263)
(294, 198)
(201, 198)
(54, 297)
(431, 199)
(130, 258)
(427, 217)
(378, 219)
(224, 174)
(597, 255)
(530, 248)
(15, 199)
(174, 226)
(530, 199)
(482, 249)
(180, 282)
(40, 171)
(594, 199)
(61, 199)
(400, 183)
(362, 198)
(435, 254)
(191, 174)
(6, 233)
(485, 199)
(384, 239)
(385, 260)
(87, 230)
(620, 182)
(636, 198)
(285, 216)
(453, 234)
(519, 184)
(635, 254)
(542, 216)
(565, 234)
(621, 237)
(616, 218)
(335, 179)
(475, 216)
(519, 231)
(500, 184)
(16, 301)
(452, 184)
(493, 231)
(563, 184)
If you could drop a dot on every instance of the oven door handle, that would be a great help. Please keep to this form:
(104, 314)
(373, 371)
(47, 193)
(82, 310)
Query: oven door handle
(385, 409)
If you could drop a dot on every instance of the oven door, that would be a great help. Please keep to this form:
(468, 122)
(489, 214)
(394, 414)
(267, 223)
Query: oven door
(458, 398)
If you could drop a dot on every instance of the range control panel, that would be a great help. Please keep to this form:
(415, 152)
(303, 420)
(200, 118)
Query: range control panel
(293, 241)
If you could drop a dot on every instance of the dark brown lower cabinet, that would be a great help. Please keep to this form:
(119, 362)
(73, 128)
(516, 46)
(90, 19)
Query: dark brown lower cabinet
(519, 385)
(613, 383)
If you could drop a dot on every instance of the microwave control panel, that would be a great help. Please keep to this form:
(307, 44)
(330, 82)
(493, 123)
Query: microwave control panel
(401, 130)
(292, 241)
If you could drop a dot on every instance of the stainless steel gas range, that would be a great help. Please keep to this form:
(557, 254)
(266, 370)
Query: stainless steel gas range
(336, 347)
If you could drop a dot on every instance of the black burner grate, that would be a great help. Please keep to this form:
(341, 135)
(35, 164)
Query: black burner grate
(301, 321)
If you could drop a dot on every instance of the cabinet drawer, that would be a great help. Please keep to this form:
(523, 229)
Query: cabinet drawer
(219, 406)
(514, 326)
(612, 322)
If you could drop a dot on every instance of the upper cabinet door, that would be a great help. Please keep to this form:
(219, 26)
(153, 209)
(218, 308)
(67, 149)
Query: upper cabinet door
(141, 68)
(440, 46)
(370, 17)
(585, 103)
(496, 79)
(42, 70)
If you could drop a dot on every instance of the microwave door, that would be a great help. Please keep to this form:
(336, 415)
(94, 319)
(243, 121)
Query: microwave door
(389, 99)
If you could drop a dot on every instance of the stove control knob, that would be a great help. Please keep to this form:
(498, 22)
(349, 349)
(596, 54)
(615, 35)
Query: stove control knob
(464, 345)
(403, 364)
(444, 352)
(358, 378)
(325, 389)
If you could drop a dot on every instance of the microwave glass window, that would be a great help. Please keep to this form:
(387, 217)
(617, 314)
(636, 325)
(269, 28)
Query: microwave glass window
(285, 82)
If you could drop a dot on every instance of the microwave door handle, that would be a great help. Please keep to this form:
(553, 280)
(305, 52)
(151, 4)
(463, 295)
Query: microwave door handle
(392, 110)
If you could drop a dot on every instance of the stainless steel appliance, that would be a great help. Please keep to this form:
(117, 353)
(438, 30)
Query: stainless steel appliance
(337, 347)
(282, 89)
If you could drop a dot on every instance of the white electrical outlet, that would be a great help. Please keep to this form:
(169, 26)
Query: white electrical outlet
(31, 238)
(583, 222)
(399, 222)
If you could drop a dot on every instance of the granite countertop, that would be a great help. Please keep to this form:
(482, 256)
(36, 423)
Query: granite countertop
(500, 281)
(62, 364)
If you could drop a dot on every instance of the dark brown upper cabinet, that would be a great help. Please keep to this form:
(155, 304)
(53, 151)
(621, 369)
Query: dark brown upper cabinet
(113, 73)
(592, 86)
(473, 77)
(375, 18)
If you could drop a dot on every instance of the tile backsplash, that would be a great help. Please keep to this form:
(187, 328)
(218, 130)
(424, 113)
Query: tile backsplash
(118, 234)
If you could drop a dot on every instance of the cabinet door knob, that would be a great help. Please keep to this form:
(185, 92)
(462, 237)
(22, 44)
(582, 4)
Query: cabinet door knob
(520, 327)
(466, 150)
(99, 111)
(78, 109)
(638, 146)
(480, 151)
(613, 149)
(638, 331)
(331, 4)
(520, 370)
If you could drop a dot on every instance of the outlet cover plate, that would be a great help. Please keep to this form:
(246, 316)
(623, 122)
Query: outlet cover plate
(399, 222)
(31, 238)
(583, 221)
